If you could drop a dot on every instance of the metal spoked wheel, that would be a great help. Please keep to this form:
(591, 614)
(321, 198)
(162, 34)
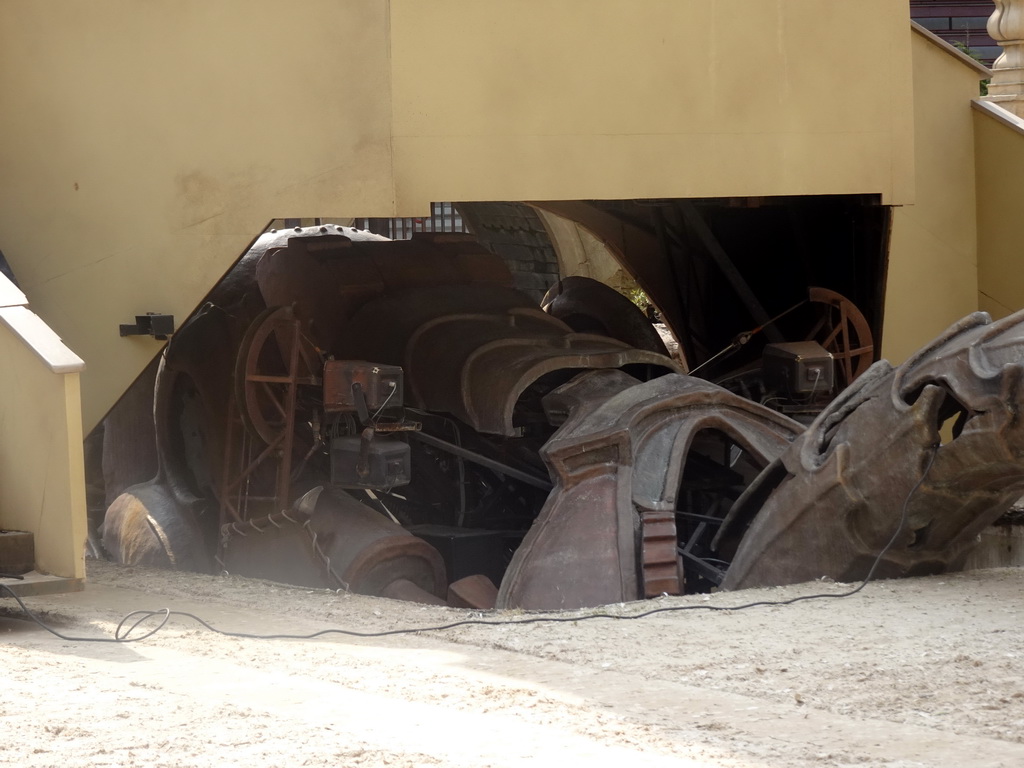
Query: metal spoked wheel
(833, 321)
(274, 359)
(843, 330)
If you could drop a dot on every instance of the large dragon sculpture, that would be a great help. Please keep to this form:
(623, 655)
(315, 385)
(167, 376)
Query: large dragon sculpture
(395, 419)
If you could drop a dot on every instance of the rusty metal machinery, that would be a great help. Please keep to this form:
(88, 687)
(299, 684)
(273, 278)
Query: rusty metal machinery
(623, 462)
(587, 305)
(393, 418)
(408, 375)
(832, 346)
(340, 543)
(834, 498)
(843, 331)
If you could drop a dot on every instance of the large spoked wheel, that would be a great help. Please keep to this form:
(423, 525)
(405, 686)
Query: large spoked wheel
(833, 321)
(274, 360)
(843, 330)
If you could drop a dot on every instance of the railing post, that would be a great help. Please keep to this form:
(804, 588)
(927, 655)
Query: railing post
(1006, 26)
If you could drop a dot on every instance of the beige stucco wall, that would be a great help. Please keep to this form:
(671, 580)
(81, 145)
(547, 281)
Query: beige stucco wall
(933, 278)
(42, 483)
(999, 148)
(146, 144)
(579, 251)
(649, 98)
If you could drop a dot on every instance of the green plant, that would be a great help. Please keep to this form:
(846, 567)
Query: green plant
(963, 48)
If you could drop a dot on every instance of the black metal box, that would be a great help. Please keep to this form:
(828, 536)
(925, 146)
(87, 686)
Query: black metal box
(387, 463)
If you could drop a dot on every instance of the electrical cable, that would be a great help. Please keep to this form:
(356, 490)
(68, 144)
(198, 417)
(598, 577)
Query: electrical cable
(394, 388)
(742, 338)
(122, 635)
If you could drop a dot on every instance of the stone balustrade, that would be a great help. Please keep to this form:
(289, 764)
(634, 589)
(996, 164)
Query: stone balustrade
(1006, 26)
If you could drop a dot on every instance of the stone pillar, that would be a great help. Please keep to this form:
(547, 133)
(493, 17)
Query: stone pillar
(1006, 26)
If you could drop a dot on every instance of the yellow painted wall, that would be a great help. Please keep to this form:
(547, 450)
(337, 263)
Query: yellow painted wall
(42, 483)
(145, 144)
(999, 147)
(543, 99)
(933, 278)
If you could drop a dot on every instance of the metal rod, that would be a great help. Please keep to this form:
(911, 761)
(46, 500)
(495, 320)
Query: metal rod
(696, 223)
(483, 461)
(703, 518)
(284, 467)
(744, 337)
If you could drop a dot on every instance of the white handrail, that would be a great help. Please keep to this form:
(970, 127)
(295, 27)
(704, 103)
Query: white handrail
(37, 335)
(10, 294)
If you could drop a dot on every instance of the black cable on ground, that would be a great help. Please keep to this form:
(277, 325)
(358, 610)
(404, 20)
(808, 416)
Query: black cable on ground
(131, 622)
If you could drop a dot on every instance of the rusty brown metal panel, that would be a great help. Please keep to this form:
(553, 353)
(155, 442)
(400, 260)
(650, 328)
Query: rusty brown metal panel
(659, 560)
(609, 468)
(472, 350)
(340, 543)
(380, 385)
(948, 419)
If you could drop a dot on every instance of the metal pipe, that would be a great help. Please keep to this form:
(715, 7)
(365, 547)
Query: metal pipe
(483, 461)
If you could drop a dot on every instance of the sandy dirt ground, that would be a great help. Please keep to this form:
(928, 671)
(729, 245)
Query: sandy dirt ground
(922, 672)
